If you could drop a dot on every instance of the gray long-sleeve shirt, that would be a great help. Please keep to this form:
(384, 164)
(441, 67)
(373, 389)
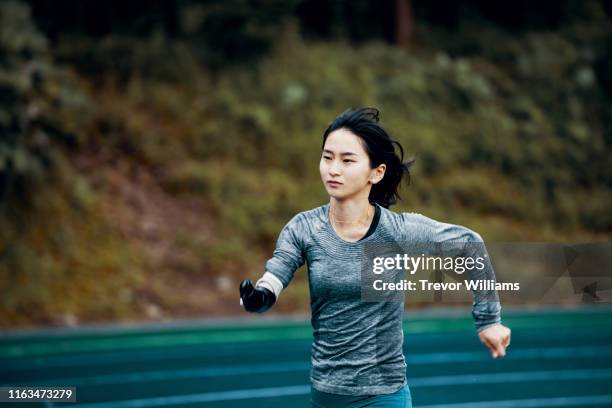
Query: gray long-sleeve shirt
(357, 345)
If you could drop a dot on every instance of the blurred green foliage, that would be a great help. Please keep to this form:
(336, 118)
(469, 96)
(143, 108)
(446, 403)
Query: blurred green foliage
(58, 256)
(513, 141)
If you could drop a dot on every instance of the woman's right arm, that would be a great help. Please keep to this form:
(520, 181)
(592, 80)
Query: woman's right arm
(288, 256)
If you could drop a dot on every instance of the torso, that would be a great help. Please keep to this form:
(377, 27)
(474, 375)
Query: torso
(357, 344)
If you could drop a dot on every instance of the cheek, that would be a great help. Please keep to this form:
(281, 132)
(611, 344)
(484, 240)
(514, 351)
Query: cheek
(359, 174)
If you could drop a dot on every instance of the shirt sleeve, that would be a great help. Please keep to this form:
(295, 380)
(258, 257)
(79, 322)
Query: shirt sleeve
(486, 307)
(288, 255)
(459, 241)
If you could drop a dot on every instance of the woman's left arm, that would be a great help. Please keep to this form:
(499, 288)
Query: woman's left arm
(459, 241)
(486, 304)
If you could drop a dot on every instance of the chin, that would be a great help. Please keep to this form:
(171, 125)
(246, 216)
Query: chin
(338, 197)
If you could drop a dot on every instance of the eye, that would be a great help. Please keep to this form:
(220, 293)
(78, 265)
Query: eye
(348, 161)
(327, 157)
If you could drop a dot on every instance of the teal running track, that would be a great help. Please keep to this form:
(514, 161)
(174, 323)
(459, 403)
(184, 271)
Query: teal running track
(557, 358)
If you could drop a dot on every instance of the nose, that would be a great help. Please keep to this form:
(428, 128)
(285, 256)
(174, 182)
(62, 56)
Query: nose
(334, 168)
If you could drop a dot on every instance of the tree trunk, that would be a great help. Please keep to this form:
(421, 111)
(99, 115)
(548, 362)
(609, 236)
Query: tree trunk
(404, 24)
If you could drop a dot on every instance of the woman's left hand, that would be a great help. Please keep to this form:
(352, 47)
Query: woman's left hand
(496, 338)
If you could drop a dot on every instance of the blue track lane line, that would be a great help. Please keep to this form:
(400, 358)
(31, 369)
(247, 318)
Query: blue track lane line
(450, 380)
(586, 400)
(203, 397)
(605, 400)
(35, 343)
(229, 350)
(411, 358)
(290, 366)
(112, 358)
(513, 354)
(512, 377)
(169, 375)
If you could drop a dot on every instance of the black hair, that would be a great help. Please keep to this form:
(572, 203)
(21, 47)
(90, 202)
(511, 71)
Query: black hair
(378, 144)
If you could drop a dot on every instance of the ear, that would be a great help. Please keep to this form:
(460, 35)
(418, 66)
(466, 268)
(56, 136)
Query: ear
(378, 173)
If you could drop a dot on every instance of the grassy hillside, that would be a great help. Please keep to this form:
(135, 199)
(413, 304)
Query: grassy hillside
(150, 187)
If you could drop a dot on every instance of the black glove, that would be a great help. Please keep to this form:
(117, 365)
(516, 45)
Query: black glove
(256, 299)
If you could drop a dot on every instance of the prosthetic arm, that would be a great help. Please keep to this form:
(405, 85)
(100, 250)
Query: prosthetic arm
(261, 297)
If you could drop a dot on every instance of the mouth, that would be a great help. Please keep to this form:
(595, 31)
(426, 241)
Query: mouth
(333, 183)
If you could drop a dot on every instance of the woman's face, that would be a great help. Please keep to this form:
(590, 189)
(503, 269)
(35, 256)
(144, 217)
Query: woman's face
(345, 161)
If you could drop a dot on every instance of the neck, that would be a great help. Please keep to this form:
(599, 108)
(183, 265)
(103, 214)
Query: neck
(350, 210)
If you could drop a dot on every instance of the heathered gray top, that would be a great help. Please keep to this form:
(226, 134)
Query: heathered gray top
(357, 346)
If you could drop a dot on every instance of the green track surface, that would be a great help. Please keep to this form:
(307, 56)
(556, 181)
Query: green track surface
(557, 358)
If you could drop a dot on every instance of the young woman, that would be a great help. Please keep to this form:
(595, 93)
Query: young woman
(357, 357)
